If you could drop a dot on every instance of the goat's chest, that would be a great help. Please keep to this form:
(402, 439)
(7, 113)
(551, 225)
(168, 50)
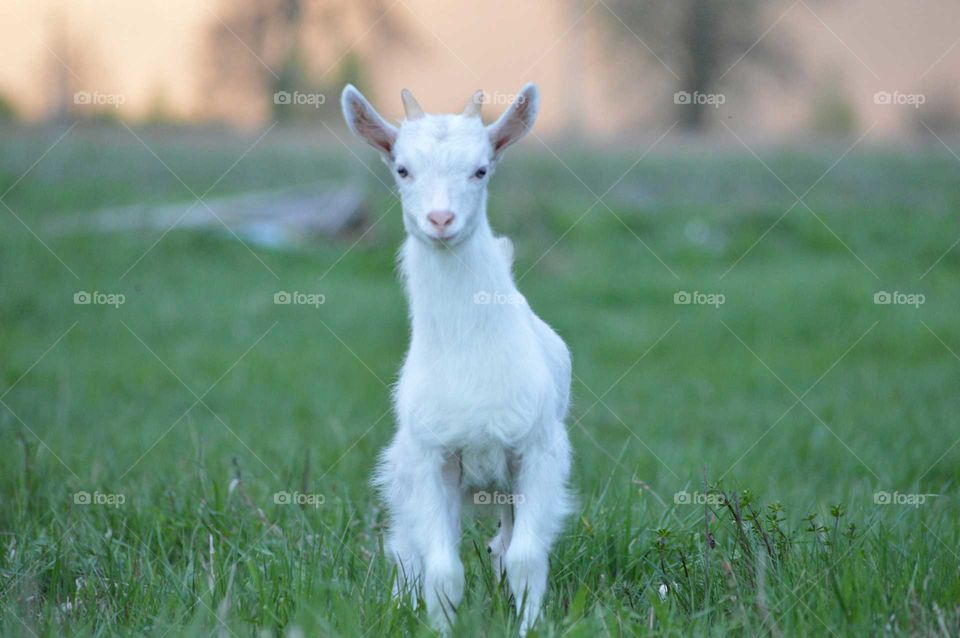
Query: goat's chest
(487, 390)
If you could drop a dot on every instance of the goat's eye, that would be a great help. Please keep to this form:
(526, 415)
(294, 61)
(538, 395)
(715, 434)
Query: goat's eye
(403, 172)
(481, 173)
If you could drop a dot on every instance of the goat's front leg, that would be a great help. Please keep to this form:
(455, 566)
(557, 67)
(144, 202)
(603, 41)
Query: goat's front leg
(421, 487)
(402, 547)
(395, 479)
(541, 502)
(437, 502)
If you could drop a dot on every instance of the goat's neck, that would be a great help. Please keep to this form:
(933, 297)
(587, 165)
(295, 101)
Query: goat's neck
(443, 284)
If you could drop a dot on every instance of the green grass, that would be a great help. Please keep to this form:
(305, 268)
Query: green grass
(296, 399)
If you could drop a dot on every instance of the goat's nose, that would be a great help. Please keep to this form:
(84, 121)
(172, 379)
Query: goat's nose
(440, 219)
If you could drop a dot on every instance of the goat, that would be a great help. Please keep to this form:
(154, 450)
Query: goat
(484, 389)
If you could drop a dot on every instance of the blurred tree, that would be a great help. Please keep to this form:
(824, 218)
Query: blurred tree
(74, 77)
(700, 40)
(939, 116)
(833, 111)
(62, 66)
(8, 112)
(260, 52)
(160, 111)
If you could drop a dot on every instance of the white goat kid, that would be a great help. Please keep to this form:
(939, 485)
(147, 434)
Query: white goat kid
(484, 390)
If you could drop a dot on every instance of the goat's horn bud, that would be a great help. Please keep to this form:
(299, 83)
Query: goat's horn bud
(472, 109)
(410, 106)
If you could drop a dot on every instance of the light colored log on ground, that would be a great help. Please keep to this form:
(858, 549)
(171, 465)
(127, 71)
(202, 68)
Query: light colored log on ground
(270, 218)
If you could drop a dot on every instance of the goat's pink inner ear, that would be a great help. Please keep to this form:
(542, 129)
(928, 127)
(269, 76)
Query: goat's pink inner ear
(370, 128)
(514, 128)
(515, 122)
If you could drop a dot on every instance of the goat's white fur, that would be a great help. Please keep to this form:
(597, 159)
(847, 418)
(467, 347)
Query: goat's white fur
(484, 390)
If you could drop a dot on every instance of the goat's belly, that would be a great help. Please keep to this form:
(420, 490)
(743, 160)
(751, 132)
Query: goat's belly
(485, 467)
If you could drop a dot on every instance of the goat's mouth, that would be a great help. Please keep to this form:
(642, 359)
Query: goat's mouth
(445, 239)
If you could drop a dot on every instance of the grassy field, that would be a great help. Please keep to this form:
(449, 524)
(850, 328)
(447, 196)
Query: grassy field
(749, 467)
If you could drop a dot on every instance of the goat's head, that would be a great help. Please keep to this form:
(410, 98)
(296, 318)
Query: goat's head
(441, 163)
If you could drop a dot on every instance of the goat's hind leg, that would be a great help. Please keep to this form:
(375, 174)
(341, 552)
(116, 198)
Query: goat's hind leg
(498, 545)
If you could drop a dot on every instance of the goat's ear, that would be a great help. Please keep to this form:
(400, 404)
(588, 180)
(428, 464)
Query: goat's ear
(516, 121)
(366, 123)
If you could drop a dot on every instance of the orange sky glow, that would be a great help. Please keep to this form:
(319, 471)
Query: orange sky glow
(145, 48)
